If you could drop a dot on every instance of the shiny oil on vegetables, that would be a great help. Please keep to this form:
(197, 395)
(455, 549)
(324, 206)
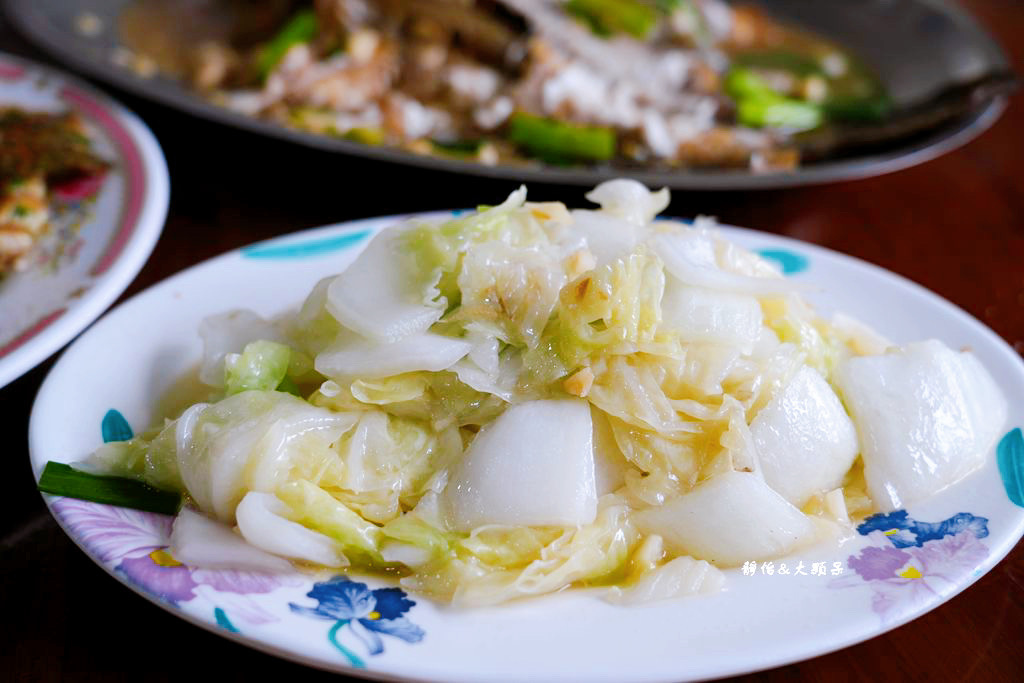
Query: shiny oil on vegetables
(525, 398)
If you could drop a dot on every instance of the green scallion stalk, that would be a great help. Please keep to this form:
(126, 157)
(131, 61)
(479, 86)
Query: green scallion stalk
(785, 60)
(464, 147)
(758, 106)
(561, 142)
(856, 97)
(301, 28)
(778, 112)
(289, 386)
(63, 480)
(607, 17)
(741, 83)
(854, 109)
(367, 136)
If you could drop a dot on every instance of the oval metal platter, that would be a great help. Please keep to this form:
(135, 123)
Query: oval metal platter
(919, 48)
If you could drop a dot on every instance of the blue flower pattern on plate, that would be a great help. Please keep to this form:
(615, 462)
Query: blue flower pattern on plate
(911, 562)
(368, 613)
(146, 563)
(904, 532)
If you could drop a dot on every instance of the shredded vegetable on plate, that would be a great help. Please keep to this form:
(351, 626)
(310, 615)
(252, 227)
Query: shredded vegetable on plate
(526, 398)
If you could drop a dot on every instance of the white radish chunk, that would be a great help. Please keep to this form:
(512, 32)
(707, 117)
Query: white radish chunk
(705, 315)
(927, 417)
(862, 338)
(690, 258)
(607, 237)
(610, 466)
(380, 296)
(805, 440)
(405, 553)
(709, 365)
(675, 579)
(629, 200)
(533, 466)
(198, 541)
(731, 518)
(262, 523)
(356, 357)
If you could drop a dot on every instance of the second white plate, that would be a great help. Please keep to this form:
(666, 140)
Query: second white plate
(102, 238)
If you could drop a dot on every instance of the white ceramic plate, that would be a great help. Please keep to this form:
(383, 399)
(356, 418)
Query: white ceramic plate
(829, 596)
(100, 241)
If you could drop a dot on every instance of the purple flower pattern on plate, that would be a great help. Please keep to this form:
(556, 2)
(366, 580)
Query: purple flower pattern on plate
(910, 562)
(134, 544)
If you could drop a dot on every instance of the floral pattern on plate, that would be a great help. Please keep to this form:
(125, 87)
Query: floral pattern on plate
(134, 545)
(367, 613)
(910, 562)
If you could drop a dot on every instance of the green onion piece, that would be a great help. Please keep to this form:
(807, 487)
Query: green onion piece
(458, 147)
(857, 95)
(561, 142)
(607, 17)
(778, 112)
(289, 386)
(857, 109)
(783, 60)
(741, 83)
(64, 480)
(299, 29)
(758, 106)
(857, 80)
(367, 136)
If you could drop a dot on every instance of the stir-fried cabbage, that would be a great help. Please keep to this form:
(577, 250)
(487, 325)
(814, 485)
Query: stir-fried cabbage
(525, 398)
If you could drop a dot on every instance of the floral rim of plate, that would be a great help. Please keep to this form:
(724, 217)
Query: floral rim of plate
(893, 569)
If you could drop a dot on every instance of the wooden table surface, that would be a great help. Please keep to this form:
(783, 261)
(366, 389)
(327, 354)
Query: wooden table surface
(954, 225)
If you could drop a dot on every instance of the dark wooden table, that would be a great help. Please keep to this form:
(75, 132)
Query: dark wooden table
(955, 225)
